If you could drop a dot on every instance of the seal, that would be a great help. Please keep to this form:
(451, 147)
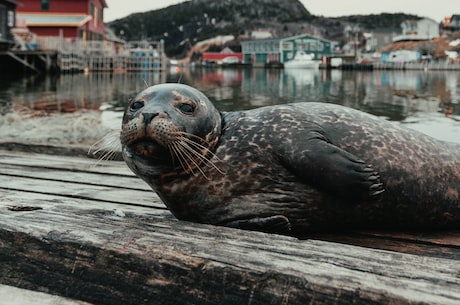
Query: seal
(289, 169)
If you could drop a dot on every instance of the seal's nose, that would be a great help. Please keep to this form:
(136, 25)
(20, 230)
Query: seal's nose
(148, 117)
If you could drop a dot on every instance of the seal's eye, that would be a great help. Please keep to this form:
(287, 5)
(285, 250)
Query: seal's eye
(186, 108)
(136, 105)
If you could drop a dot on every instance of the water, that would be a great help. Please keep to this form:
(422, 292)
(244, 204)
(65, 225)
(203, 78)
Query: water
(80, 109)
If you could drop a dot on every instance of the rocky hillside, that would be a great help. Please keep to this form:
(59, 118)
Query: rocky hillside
(183, 25)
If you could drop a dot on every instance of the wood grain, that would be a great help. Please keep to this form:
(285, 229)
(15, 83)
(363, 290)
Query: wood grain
(76, 246)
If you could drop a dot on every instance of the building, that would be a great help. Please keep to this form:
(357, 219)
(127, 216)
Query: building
(377, 40)
(77, 19)
(451, 23)
(281, 50)
(7, 22)
(226, 56)
(423, 29)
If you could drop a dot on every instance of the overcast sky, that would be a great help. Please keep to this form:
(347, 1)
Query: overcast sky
(435, 9)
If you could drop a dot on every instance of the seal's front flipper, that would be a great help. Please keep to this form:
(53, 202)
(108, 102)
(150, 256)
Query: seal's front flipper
(333, 170)
(274, 224)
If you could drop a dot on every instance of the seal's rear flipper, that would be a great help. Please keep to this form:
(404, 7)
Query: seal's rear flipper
(274, 224)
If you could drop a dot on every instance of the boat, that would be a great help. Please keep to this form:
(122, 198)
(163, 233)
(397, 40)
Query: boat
(302, 60)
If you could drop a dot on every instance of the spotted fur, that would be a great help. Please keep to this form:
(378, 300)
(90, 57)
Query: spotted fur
(295, 168)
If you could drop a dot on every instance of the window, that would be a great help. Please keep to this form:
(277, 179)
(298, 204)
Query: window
(2, 21)
(11, 19)
(45, 5)
(96, 17)
(302, 46)
(288, 46)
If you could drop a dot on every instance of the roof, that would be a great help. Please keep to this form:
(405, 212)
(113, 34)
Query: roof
(285, 38)
(14, 2)
(438, 45)
(53, 19)
(304, 35)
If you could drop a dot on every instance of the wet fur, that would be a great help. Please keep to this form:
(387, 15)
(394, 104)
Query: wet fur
(319, 166)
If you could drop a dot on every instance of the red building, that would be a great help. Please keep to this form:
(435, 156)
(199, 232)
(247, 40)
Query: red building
(7, 22)
(83, 19)
(226, 56)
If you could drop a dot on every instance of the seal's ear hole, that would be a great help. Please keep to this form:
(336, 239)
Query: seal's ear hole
(186, 108)
(136, 105)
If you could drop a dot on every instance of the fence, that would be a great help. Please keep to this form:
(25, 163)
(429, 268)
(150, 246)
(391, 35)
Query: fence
(81, 55)
(435, 65)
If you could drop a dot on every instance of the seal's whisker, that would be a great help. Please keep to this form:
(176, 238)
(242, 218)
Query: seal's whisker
(172, 152)
(194, 147)
(184, 136)
(185, 153)
(191, 135)
(202, 156)
(179, 156)
(106, 148)
(185, 159)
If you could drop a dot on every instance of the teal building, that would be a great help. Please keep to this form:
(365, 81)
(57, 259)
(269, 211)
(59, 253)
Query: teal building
(263, 51)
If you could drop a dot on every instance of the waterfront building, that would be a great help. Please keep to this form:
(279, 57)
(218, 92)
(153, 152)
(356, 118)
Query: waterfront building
(423, 29)
(79, 19)
(7, 22)
(280, 50)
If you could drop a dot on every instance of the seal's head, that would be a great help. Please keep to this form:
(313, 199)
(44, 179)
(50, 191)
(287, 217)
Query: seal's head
(169, 127)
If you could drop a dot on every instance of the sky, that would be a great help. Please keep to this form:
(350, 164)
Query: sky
(436, 10)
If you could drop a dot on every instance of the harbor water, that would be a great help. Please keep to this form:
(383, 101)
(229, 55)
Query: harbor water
(80, 109)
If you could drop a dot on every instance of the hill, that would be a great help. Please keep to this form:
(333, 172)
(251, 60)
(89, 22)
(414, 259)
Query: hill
(183, 25)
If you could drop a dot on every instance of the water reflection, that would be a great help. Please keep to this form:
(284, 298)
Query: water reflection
(73, 92)
(386, 93)
(427, 101)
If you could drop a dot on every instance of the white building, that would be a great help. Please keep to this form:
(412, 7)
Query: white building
(423, 29)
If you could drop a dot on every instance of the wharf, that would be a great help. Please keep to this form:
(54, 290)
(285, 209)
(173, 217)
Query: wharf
(59, 55)
(93, 232)
(19, 62)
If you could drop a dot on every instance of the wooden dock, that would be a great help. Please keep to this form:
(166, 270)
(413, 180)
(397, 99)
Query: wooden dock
(93, 232)
(56, 54)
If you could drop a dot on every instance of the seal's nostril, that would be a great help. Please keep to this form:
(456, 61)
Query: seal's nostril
(148, 117)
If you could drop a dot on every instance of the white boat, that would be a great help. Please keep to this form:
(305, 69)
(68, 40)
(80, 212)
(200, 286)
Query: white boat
(302, 60)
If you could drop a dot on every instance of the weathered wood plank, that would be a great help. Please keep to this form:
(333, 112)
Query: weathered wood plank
(75, 245)
(74, 177)
(434, 244)
(83, 191)
(12, 199)
(80, 170)
(90, 254)
(55, 174)
(438, 238)
(64, 162)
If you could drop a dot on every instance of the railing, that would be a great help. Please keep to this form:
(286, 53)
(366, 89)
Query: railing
(81, 55)
(435, 65)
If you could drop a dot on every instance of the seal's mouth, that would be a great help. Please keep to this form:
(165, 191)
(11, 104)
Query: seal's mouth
(148, 148)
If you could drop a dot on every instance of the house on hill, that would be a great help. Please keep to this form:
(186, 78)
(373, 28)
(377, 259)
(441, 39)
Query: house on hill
(419, 41)
(7, 22)
(77, 19)
(423, 29)
(451, 23)
(414, 51)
